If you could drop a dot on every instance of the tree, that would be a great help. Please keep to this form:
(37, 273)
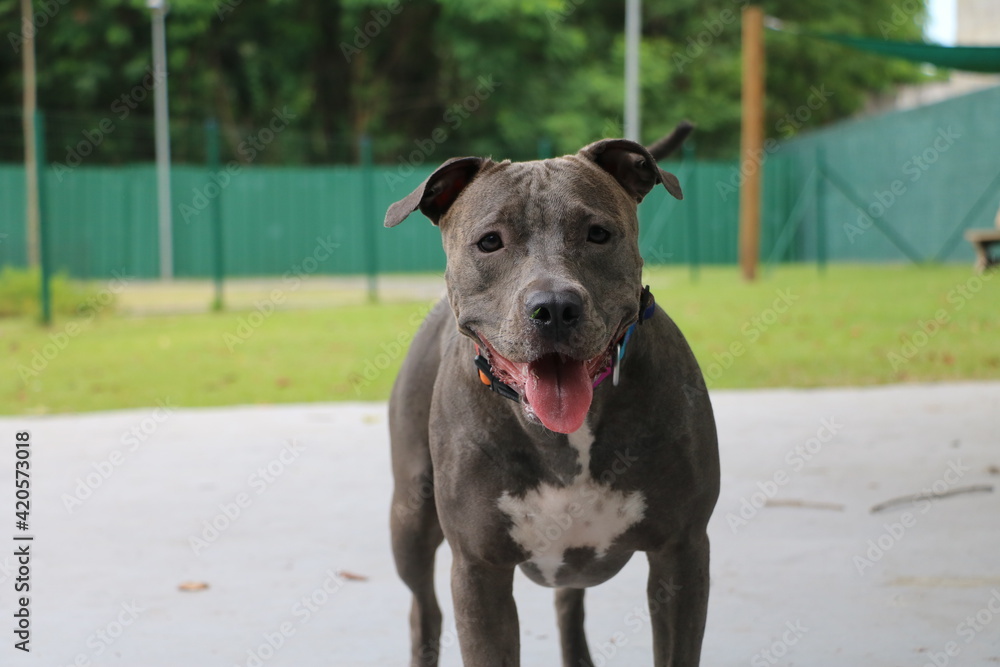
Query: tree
(441, 78)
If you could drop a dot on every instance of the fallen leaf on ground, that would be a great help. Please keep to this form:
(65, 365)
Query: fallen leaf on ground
(192, 586)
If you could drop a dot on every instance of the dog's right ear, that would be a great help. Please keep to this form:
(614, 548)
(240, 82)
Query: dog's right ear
(436, 195)
(632, 165)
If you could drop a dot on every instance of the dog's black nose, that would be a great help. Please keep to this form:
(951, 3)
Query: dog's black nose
(556, 313)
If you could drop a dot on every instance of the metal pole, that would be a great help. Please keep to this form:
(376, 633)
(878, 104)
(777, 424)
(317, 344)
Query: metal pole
(633, 32)
(28, 115)
(694, 241)
(213, 161)
(751, 139)
(368, 217)
(43, 241)
(159, 11)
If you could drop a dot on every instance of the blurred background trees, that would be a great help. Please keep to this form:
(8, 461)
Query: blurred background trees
(394, 70)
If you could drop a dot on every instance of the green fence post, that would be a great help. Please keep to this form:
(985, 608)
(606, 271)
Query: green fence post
(544, 148)
(368, 217)
(694, 241)
(821, 210)
(43, 232)
(215, 213)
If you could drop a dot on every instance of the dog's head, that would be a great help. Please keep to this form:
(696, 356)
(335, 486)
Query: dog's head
(543, 264)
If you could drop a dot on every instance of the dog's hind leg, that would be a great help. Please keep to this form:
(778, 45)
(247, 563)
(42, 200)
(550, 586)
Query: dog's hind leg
(569, 617)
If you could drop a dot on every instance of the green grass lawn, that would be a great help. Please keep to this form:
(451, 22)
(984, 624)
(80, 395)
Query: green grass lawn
(857, 325)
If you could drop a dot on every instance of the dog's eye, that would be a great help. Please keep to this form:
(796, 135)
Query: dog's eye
(598, 234)
(490, 243)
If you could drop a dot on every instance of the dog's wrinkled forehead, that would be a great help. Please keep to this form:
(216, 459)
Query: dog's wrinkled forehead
(631, 167)
(539, 194)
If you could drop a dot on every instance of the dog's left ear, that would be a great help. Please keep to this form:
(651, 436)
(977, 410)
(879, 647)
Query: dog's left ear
(632, 166)
(435, 195)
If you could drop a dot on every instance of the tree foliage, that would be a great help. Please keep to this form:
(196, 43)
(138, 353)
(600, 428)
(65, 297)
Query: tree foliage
(417, 76)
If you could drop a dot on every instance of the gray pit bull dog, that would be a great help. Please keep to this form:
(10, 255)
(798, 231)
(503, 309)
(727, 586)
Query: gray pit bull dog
(580, 470)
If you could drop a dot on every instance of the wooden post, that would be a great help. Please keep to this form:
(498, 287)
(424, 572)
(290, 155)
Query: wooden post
(30, 106)
(44, 251)
(751, 139)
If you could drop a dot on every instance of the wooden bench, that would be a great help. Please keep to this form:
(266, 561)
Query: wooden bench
(982, 240)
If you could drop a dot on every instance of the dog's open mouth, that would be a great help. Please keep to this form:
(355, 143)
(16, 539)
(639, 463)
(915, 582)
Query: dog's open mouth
(555, 388)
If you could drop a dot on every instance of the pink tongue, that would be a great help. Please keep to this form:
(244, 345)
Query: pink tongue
(560, 391)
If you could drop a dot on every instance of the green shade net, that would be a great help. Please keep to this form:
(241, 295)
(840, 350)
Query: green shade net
(966, 58)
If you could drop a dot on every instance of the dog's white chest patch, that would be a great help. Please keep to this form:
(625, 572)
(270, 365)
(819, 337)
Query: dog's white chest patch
(550, 519)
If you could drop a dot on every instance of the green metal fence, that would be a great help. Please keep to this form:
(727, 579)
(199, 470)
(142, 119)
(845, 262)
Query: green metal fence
(897, 187)
(902, 186)
(103, 219)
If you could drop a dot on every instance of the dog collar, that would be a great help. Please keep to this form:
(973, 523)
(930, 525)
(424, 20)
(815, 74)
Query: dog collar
(647, 306)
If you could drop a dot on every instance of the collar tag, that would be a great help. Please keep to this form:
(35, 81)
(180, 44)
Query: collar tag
(647, 307)
(616, 363)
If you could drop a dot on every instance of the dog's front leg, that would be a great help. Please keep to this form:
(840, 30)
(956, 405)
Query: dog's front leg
(678, 601)
(485, 613)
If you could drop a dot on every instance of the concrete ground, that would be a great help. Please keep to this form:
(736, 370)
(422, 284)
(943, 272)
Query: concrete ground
(282, 512)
